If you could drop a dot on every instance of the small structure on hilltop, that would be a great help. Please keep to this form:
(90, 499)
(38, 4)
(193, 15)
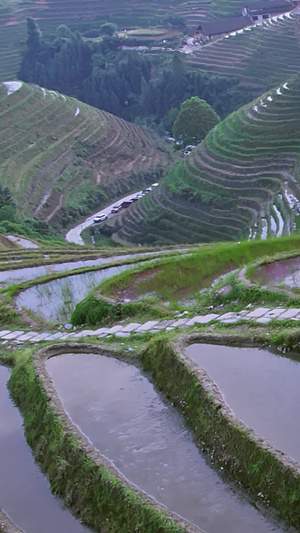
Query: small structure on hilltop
(209, 31)
(256, 12)
(268, 8)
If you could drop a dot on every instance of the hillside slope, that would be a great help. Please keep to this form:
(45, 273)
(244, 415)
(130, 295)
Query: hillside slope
(260, 56)
(80, 15)
(83, 15)
(241, 181)
(61, 157)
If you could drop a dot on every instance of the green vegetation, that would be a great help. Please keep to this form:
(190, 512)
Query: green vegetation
(100, 499)
(10, 316)
(183, 276)
(97, 496)
(10, 221)
(62, 159)
(123, 82)
(147, 31)
(232, 447)
(193, 122)
(87, 16)
(260, 57)
(242, 295)
(94, 311)
(243, 176)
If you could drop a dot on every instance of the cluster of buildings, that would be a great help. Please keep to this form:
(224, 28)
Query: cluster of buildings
(255, 12)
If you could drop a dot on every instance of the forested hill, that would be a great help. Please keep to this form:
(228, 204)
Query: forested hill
(62, 159)
(241, 181)
(259, 56)
(87, 15)
(125, 83)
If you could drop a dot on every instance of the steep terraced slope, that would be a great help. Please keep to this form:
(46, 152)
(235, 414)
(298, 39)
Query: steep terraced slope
(57, 152)
(241, 181)
(260, 56)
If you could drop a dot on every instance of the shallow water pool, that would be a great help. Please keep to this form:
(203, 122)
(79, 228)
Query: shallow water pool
(124, 417)
(24, 491)
(262, 388)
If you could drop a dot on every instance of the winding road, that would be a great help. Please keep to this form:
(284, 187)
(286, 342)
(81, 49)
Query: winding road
(74, 234)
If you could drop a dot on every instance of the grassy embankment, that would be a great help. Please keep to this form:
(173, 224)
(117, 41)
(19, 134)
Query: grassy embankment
(96, 496)
(232, 447)
(178, 278)
(9, 316)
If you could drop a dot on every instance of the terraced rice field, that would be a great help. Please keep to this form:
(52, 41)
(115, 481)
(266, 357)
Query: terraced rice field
(82, 15)
(54, 149)
(260, 56)
(78, 14)
(241, 181)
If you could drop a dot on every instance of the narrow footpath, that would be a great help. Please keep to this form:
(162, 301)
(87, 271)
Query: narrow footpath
(259, 315)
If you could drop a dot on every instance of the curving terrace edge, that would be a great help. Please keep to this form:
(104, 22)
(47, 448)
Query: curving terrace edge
(271, 476)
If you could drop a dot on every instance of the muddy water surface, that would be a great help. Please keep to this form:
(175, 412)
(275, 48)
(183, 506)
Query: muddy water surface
(284, 272)
(24, 492)
(118, 409)
(262, 388)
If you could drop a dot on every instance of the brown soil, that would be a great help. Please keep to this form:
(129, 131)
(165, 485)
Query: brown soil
(7, 243)
(131, 291)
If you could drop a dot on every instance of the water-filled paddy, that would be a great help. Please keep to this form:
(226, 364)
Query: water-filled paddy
(55, 300)
(118, 409)
(283, 272)
(24, 491)
(262, 388)
(23, 274)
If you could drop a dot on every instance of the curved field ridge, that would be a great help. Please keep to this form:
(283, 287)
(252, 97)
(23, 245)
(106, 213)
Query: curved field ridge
(260, 56)
(100, 495)
(241, 181)
(53, 149)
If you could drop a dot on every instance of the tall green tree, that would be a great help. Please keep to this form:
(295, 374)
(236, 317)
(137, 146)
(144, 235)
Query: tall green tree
(34, 35)
(6, 197)
(108, 29)
(195, 119)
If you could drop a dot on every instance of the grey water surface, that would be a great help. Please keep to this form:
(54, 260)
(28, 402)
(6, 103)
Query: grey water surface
(55, 300)
(24, 491)
(124, 417)
(18, 275)
(262, 388)
(8, 277)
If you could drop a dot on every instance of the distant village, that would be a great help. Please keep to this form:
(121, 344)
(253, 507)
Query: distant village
(249, 15)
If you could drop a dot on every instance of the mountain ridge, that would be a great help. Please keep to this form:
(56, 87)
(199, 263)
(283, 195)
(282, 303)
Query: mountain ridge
(61, 158)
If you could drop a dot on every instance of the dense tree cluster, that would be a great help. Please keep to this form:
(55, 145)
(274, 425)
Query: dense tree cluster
(6, 198)
(125, 83)
(193, 122)
(10, 221)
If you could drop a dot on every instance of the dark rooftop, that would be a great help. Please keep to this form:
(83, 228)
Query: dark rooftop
(266, 5)
(224, 25)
